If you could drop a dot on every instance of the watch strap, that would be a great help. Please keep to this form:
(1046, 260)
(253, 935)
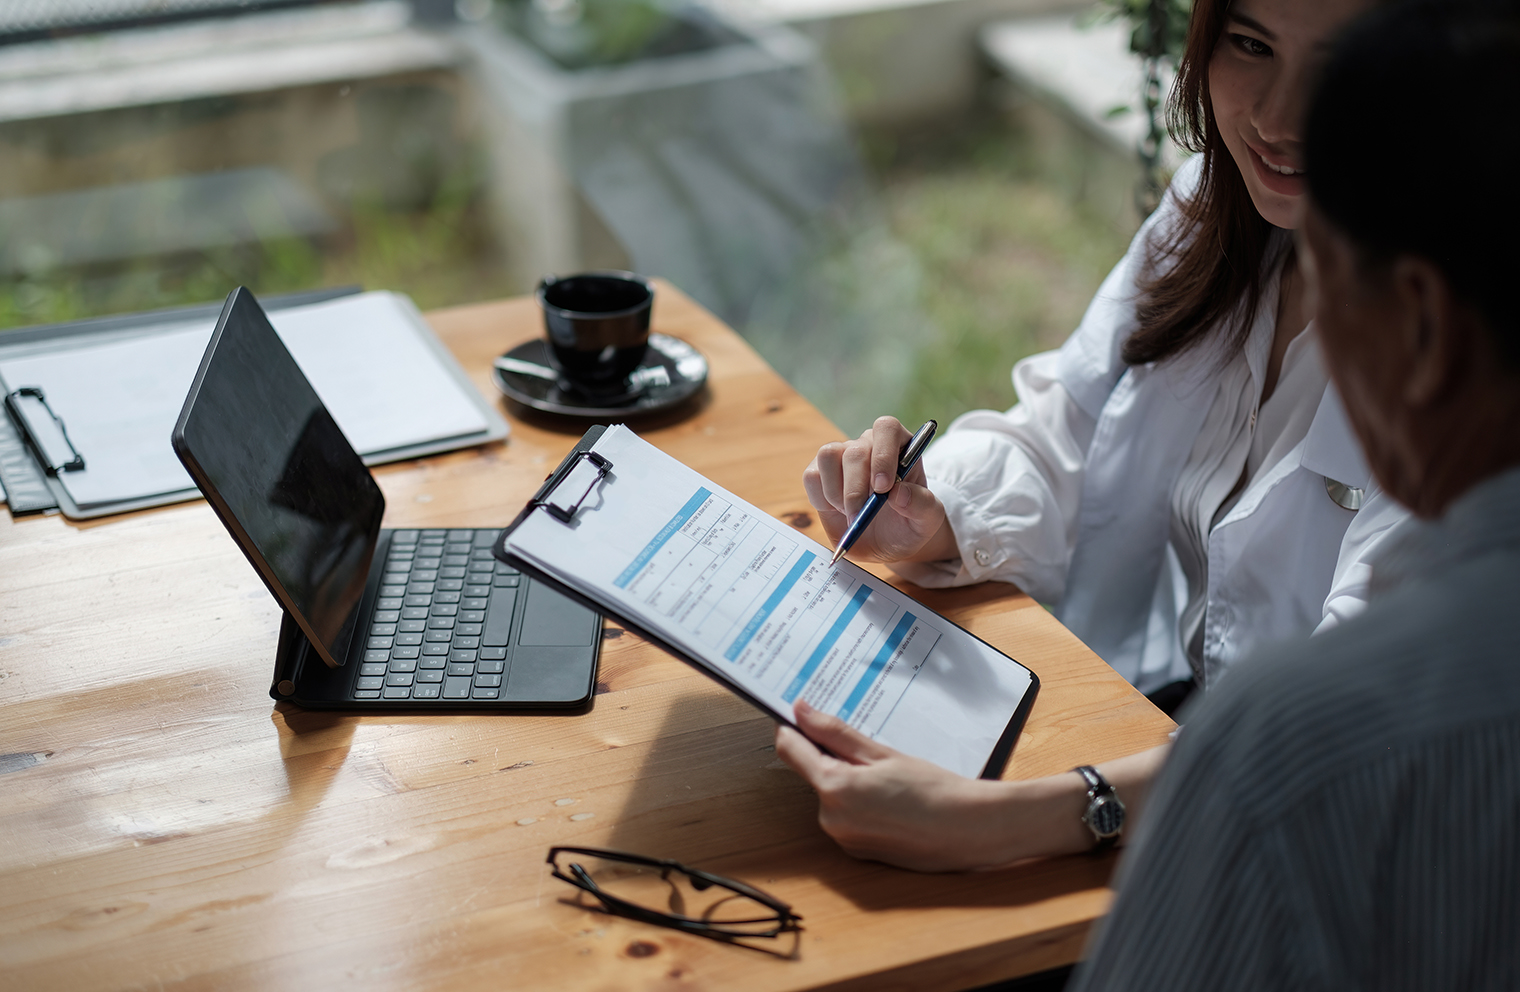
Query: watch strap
(1100, 793)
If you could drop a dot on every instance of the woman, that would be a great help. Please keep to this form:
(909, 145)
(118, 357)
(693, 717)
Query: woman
(1178, 480)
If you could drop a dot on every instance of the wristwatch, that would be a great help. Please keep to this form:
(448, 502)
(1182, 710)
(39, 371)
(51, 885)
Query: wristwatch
(1104, 815)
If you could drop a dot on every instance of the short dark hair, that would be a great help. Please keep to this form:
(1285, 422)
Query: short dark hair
(1413, 145)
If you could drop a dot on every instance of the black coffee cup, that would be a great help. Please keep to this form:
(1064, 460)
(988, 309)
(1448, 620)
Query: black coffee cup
(598, 326)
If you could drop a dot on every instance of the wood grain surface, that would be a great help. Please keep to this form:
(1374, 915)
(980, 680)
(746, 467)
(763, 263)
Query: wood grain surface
(164, 825)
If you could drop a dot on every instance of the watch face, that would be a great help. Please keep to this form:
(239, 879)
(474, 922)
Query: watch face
(1105, 816)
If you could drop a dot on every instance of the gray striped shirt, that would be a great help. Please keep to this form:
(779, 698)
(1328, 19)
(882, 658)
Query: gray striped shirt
(1344, 812)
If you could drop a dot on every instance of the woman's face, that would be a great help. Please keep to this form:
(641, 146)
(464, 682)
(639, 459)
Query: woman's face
(1259, 82)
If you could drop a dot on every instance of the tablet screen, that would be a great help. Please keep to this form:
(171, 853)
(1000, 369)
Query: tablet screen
(286, 482)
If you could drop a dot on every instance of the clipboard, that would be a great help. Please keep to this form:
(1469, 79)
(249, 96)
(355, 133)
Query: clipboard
(562, 497)
(43, 457)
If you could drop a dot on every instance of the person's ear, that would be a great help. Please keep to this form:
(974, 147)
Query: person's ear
(1432, 333)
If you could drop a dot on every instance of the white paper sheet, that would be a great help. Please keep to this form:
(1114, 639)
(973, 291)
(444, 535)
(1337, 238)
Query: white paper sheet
(119, 398)
(758, 603)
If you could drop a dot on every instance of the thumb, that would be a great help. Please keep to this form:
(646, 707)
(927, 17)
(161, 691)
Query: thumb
(841, 740)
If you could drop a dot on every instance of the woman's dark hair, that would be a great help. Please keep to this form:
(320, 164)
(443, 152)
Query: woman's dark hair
(1413, 146)
(1201, 270)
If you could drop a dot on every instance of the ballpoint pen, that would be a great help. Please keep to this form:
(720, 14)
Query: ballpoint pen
(906, 459)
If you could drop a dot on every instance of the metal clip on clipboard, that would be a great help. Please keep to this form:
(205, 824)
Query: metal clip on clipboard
(47, 435)
(565, 512)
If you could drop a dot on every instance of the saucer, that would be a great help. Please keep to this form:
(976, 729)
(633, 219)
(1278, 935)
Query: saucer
(673, 370)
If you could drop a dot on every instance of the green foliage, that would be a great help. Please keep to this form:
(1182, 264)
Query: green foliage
(1158, 28)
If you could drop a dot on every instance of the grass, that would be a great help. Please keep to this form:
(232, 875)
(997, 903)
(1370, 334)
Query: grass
(1007, 263)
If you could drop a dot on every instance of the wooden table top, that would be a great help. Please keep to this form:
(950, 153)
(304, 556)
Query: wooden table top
(164, 824)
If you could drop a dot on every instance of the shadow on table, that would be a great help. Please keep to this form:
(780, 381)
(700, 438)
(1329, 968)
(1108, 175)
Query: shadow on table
(712, 794)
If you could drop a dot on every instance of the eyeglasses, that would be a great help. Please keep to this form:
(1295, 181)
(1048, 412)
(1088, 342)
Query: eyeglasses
(669, 894)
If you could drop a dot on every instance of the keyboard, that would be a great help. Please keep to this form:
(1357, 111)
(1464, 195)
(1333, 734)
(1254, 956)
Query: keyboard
(442, 623)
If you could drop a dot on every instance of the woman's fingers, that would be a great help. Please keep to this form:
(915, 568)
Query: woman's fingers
(888, 436)
(838, 737)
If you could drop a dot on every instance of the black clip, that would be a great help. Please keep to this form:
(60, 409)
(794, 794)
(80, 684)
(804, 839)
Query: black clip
(564, 514)
(54, 463)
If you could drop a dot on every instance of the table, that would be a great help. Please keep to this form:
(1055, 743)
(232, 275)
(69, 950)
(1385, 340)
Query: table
(164, 824)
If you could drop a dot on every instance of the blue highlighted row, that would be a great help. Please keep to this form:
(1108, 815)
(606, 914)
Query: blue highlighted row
(827, 644)
(768, 607)
(653, 547)
(877, 664)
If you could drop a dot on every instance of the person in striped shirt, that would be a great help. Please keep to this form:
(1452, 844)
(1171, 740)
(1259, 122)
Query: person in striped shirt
(1342, 812)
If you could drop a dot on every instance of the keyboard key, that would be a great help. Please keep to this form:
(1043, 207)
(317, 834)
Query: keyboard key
(499, 619)
(462, 655)
(472, 616)
(406, 651)
(403, 665)
(486, 694)
(451, 572)
(433, 534)
(475, 602)
(485, 538)
(376, 655)
(379, 643)
(451, 596)
(392, 593)
(456, 688)
(399, 678)
(502, 568)
(418, 612)
(422, 691)
(435, 648)
(440, 623)
(397, 691)
(382, 629)
(487, 681)
(465, 642)
(404, 537)
(506, 581)
(432, 661)
(369, 681)
(461, 534)
(408, 640)
(450, 560)
(477, 592)
(423, 574)
(397, 569)
(388, 603)
(450, 585)
(371, 668)
(490, 667)
(493, 654)
(411, 626)
(461, 668)
(418, 599)
(387, 616)
(466, 629)
(420, 588)
(438, 636)
(429, 675)
(366, 693)
(481, 554)
(444, 609)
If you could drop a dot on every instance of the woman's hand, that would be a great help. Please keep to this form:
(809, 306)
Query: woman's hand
(883, 805)
(842, 476)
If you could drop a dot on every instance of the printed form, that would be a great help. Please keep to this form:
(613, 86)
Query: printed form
(759, 605)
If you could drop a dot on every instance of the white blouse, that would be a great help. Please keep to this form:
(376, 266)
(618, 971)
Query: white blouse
(1172, 520)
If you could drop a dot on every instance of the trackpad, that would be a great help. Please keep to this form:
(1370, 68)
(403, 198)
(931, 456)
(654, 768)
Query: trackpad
(553, 620)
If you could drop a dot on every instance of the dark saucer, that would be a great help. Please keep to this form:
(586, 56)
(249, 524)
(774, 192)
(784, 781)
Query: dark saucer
(681, 366)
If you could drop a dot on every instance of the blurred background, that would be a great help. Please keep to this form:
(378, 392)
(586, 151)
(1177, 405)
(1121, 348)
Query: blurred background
(892, 200)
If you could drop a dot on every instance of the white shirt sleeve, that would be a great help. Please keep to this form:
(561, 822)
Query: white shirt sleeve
(1011, 483)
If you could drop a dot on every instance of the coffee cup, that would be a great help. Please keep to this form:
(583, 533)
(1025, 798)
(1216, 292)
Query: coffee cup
(598, 327)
